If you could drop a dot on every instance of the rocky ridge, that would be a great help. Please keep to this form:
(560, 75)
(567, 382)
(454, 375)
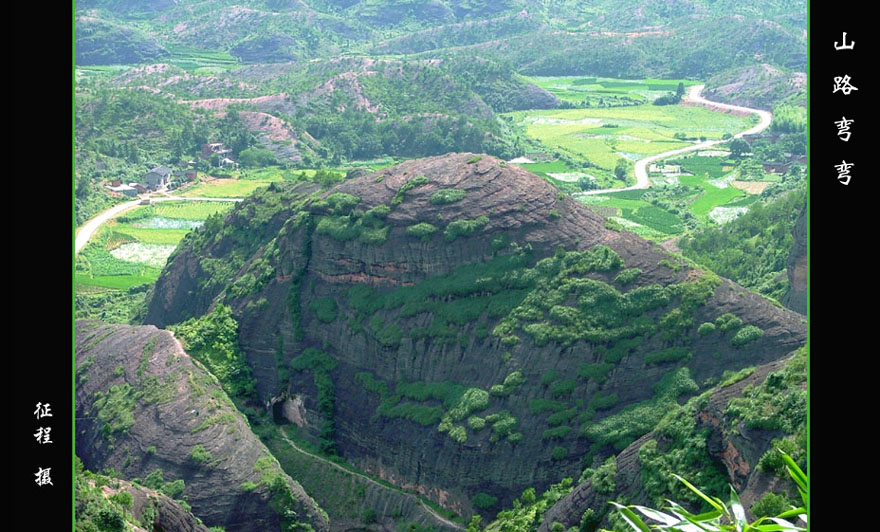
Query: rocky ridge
(338, 284)
(143, 405)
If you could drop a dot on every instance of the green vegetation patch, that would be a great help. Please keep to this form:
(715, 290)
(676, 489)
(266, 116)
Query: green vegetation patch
(622, 428)
(596, 372)
(464, 227)
(421, 230)
(447, 195)
(746, 335)
(602, 314)
(779, 403)
(417, 181)
(115, 408)
(628, 276)
(670, 354)
(324, 309)
(484, 501)
(213, 340)
(200, 455)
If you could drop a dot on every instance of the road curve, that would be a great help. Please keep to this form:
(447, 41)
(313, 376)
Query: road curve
(693, 95)
(89, 228)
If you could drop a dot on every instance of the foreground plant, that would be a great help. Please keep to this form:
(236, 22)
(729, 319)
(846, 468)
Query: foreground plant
(729, 517)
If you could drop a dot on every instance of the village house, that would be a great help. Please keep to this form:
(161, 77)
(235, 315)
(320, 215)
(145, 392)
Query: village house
(215, 147)
(776, 168)
(119, 188)
(158, 178)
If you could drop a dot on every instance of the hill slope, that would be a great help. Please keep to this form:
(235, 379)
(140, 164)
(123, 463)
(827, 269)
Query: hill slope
(146, 410)
(461, 305)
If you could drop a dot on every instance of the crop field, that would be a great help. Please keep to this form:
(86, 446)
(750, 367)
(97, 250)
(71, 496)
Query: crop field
(97, 267)
(187, 210)
(602, 136)
(615, 120)
(590, 91)
(131, 250)
(227, 188)
(200, 62)
(660, 212)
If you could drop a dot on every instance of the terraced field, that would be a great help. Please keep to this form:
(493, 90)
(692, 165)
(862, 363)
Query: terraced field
(131, 250)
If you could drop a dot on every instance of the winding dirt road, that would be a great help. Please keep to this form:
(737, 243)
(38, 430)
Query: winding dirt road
(89, 228)
(693, 95)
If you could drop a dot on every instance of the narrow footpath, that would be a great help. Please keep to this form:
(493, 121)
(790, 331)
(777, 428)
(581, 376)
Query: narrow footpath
(427, 508)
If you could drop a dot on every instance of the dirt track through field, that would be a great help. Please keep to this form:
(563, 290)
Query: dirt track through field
(89, 228)
(693, 97)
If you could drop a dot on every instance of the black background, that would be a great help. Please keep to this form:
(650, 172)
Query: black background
(842, 238)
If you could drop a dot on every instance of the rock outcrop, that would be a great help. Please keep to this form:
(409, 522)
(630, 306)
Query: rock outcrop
(149, 509)
(143, 405)
(344, 286)
(733, 447)
(798, 264)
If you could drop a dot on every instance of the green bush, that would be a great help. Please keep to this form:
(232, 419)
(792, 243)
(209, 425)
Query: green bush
(447, 195)
(110, 520)
(563, 388)
(464, 227)
(123, 498)
(502, 425)
(674, 266)
(747, 334)
(476, 423)
(628, 276)
(671, 354)
(603, 478)
(389, 335)
(484, 501)
(563, 416)
(558, 453)
(549, 377)
(474, 159)
(596, 372)
(706, 328)
(199, 454)
(728, 322)
(324, 309)
(601, 402)
(458, 434)
(421, 230)
(173, 489)
(772, 461)
(771, 505)
(417, 181)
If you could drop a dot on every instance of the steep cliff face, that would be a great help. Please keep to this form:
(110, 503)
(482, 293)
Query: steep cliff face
(798, 263)
(147, 410)
(457, 327)
(726, 437)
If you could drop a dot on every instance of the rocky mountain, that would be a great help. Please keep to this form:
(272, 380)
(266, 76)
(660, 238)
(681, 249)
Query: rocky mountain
(455, 326)
(101, 500)
(146, 410)
(798, 265)
(729, 435)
